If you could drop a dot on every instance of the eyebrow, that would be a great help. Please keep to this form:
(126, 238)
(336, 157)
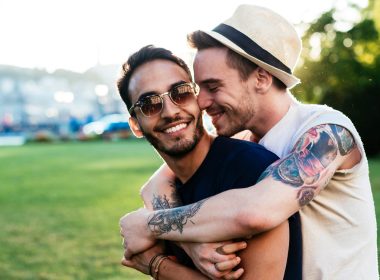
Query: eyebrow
(211, 81)
(149, 93)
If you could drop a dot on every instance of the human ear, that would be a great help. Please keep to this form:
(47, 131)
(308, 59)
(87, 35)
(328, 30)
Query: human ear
(264, 79)
(135, 127)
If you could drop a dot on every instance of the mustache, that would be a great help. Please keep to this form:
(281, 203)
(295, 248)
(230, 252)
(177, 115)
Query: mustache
(164, 122)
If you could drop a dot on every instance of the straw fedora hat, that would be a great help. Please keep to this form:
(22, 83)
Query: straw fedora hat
(265, 38)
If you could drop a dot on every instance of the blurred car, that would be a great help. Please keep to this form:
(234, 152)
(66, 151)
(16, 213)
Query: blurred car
(113, 126)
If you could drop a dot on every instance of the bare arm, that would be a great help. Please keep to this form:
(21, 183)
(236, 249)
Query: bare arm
(266, 255)
(287, 185)
(264, 258)
(169, 269)
(160, 193)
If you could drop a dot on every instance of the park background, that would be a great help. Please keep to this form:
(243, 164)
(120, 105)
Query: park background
(62, 191)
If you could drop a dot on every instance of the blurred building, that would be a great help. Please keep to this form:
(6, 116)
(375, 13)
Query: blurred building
(35, 98)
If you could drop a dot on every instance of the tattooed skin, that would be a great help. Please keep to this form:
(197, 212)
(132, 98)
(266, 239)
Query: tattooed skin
(310, 160)
(305, 195)
(163, 202)
(164, 221)
(346, 143)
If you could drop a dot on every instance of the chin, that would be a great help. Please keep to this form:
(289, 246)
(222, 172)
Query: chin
(180, 149)
(223, 132)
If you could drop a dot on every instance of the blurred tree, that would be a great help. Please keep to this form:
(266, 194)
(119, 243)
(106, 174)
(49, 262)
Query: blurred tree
(376, 11)
(339, 67)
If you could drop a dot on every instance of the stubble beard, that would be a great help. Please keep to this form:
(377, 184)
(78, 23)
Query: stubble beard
(182, 146)
(237, 120)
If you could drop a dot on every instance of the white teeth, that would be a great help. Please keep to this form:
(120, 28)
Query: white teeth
(175, 128)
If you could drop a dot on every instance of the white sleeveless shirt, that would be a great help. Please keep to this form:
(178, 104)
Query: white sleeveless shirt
(339, 224)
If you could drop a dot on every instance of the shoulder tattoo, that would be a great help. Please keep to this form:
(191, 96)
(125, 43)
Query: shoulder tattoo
(310, 160)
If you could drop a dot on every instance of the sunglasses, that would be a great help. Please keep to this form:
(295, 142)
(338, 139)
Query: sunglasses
(180, 95)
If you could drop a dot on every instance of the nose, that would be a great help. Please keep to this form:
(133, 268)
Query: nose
(204, 99)
(169, 108)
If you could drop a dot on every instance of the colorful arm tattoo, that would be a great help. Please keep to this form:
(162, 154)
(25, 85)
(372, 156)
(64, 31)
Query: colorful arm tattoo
(308, 166)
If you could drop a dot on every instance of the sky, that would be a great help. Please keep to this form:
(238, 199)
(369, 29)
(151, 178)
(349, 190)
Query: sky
(78, 34)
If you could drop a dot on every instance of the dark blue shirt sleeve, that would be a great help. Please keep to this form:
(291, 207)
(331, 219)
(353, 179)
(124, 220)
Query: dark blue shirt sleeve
(244, 167)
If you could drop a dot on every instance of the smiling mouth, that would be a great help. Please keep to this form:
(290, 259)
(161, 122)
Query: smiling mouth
(216, 116)
(176, 128)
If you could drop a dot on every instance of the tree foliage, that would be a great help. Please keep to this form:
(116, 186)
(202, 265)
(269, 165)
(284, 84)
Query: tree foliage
(340, 67)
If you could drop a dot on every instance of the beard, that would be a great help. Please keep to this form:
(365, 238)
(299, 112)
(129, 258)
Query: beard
(236, 121)
(181, 146)
(230, 127)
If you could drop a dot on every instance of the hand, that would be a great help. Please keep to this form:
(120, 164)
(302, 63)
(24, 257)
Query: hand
(141, 261)
(216, 260)
(137, 235)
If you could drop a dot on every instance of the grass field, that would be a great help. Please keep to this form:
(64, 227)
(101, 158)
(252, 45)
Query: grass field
(60, 205)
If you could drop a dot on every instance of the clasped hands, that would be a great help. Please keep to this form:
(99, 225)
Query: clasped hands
(215, 260)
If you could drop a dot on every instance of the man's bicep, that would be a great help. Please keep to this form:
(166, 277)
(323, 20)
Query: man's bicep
(313, 161)
(159, 192)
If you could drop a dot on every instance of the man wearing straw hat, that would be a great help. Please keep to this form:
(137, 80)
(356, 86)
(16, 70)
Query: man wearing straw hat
(322, 171)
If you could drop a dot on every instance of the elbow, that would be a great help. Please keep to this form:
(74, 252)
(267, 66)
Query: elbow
(144, 191)
(252, 221)
(147, 194)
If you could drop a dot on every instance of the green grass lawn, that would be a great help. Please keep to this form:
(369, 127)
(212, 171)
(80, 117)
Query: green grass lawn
(60, 205)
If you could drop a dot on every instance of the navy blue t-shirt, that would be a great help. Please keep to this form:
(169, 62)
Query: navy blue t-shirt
(233, 163)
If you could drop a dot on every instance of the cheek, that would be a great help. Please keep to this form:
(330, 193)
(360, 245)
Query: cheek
(147, 124)
(225, 100)
(193, 108)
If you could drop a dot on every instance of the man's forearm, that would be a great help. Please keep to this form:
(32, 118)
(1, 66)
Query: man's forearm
(287, 185)
(231, 214)
(194, 222)
(170, 270)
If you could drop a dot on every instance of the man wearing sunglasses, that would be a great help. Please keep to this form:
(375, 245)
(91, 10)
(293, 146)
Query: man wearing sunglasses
(157, 88)
(323, 170)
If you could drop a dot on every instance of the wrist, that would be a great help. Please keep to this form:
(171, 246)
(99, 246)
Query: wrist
(155, 264)
(150, 228)
(153, 229)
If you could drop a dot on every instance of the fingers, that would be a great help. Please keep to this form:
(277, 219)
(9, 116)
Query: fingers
(234, 274)
(231, 248)
(127, 254)
(127, 263)
(227, 265)
(215, 271)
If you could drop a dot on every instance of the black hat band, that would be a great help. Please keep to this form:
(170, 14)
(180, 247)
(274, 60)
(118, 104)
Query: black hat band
(250, 47)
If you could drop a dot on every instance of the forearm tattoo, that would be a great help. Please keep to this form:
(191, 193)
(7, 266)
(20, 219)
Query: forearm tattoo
(167, 220)
(308, 166)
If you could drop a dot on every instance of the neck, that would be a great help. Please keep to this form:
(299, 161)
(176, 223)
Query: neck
(273, 108)
(185, 167)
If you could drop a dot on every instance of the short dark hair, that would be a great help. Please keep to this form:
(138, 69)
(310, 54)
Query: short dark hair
(142, 56)
(201, 40)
